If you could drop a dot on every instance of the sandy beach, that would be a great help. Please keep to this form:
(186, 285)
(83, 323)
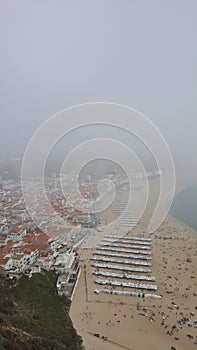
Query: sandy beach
(142, 323)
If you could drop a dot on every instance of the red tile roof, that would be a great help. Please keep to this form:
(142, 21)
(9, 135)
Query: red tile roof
(4, 261)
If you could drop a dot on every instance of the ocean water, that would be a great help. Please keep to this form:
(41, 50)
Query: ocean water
(184, 206)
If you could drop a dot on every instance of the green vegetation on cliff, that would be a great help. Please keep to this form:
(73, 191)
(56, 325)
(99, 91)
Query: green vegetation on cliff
(34, 317)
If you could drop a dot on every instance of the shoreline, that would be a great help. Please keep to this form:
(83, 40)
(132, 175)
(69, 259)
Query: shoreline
(183, 223)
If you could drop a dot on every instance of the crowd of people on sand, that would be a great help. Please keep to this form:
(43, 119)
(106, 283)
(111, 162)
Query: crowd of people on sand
(182, 313)
(175, 315)
(143, 311)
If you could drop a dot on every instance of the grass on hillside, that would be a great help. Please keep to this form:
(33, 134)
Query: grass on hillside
(34, 317)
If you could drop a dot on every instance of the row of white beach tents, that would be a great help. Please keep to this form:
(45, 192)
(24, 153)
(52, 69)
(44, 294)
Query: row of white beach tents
(123, 214)
(124, 276)
(129, 224)
(122, 240)
(122, 268)
(129, 238)
(123, 250)
(126, 284)
(122, 255)
(125, 245)
(120, 261)
(133, 294)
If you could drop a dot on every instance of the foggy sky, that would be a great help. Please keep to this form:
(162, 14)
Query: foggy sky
(55, 54)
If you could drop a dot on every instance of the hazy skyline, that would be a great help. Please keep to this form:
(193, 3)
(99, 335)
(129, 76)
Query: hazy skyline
(139, 53)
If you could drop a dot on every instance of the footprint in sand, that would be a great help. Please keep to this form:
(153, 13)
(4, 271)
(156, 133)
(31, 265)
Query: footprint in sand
(142, 330)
